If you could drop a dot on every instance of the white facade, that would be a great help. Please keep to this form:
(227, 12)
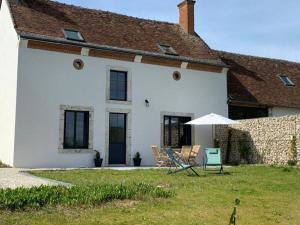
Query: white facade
(48, 80)
(283, 111)
(8, 84)
(35, 86)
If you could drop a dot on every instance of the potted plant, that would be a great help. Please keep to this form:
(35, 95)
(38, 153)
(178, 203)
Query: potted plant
(137, 159)
(98, 160)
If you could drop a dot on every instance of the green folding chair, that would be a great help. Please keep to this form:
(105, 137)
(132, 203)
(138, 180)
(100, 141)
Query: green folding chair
(179, 164)
(213, 157)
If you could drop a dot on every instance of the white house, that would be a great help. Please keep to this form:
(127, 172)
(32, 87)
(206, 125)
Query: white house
(75, 80)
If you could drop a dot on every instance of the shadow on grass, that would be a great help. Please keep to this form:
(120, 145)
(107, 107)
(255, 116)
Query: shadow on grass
(217, 173)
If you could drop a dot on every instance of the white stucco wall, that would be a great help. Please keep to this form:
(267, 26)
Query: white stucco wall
(283, 111)
(48, 80)
(8, 84)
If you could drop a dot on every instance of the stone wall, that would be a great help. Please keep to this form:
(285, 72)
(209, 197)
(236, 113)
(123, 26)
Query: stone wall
(267, 138)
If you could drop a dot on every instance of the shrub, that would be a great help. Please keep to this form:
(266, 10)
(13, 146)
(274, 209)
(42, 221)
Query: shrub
(244, 148)
(37, 197)
(137, 155)
(292, 153)
(292, 162)
(216, 143)
(286, 169)
(235, 162)
(2, 165)
(97, 155)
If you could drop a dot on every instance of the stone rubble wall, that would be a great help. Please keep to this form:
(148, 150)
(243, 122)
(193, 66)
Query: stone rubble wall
(267, 138)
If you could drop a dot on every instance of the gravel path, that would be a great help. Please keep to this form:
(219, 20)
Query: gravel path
(14, 178)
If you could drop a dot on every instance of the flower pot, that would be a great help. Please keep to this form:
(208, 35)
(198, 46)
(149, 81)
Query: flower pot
(137, 162)
(98, 162)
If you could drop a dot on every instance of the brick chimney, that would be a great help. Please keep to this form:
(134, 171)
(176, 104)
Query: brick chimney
(186, 15)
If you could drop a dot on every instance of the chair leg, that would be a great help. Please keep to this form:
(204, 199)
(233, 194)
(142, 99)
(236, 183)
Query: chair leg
(222, 170)
(170, 170)
(205, 169)
(175, 171)
(195, 172)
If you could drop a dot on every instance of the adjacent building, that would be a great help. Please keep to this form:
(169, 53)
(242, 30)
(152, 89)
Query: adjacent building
(261, 87)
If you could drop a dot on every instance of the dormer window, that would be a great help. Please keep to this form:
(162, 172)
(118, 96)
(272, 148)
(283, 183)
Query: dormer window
(286, 80)
(167, 49)
(73, 35)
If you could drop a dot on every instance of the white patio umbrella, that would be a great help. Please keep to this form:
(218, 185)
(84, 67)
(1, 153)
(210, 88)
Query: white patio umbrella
(212, 119)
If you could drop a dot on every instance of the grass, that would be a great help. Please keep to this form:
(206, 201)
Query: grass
(38, 197)
(269, 195)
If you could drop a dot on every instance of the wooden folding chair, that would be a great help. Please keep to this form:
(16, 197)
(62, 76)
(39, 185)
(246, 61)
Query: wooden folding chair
(194, 153)
(161, 160)
(185, 153)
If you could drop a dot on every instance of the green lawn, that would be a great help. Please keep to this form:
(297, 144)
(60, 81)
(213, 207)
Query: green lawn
(268, 195)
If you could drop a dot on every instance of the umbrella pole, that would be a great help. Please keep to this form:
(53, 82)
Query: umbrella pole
(212, 134)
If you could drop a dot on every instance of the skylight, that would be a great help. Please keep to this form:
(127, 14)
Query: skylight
(286, 80)
(73, 35)
(167, 49)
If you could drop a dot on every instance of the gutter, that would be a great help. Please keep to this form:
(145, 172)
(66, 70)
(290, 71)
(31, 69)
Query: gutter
(212, 62)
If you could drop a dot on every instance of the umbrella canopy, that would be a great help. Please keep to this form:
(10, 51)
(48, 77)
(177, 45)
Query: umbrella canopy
(212, 119)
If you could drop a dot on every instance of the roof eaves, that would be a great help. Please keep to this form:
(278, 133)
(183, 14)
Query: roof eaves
(213, 62)
(220, 53)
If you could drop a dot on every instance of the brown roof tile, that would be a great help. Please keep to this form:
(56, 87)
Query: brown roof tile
(255, 80)
(44, 17)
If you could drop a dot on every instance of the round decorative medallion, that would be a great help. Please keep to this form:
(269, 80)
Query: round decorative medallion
(78, 64)
(176, 75)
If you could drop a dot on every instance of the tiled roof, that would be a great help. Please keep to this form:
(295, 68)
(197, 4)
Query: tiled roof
(255, 80)
(48, 18)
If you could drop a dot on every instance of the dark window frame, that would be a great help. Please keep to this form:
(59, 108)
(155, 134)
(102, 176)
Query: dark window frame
(125, 98)
(81, 38)
(86, 130)
(170, 131)
(286, 80)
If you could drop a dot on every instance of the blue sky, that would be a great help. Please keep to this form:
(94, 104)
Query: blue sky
(268, 28)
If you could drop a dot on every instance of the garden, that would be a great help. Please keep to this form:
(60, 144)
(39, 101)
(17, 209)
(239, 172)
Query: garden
(267, 195)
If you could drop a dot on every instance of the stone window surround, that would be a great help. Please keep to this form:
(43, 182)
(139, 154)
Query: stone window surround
(129, 85)
(64, 108)
(128, 133)
(165, 113)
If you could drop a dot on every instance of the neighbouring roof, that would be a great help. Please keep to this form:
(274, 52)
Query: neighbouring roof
(48, 18)
(255, 80)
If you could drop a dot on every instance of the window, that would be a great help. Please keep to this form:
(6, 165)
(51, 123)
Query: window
(118, 85)
(286, 80)
(167, 49)
(76, 132)
(73, 35)
(176, 133)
